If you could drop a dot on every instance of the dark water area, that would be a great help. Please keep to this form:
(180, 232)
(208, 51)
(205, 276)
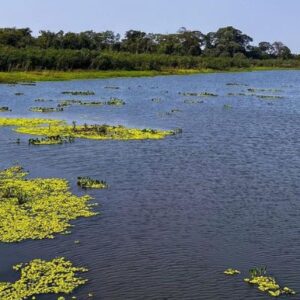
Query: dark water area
(179, 211)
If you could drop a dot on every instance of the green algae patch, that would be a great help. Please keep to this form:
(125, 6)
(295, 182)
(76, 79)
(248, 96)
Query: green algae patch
(37, 208)
(43, 277)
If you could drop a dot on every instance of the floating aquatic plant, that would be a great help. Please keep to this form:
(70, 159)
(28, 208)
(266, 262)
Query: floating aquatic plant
(46, 109)
(37, 208)
(48, 127)
(203, 94)
(4, 109)
(265, 283)
(112, 87)
(90, 183)
(43, 277)
(78, 93)
(115, 102)
(192, 101)
(231, 272)
(51, 140)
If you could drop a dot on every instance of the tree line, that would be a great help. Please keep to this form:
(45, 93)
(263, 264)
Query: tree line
(226, 48)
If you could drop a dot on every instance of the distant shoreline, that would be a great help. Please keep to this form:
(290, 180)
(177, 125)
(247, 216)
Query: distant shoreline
(31, 76)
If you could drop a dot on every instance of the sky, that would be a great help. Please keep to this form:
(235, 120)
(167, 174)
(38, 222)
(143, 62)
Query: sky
(263, 20)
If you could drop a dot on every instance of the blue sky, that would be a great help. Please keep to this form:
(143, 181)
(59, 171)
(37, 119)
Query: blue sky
(268, 20)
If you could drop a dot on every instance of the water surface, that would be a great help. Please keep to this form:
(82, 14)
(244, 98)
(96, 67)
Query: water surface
(178, 211)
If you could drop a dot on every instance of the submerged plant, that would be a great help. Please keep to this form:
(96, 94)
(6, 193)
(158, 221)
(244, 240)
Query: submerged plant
(37, 208)
(43, 277)
(90, 183)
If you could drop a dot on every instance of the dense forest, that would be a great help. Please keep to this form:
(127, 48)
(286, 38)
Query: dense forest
(226, 48)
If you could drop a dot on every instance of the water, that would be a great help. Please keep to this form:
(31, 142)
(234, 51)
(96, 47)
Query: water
(178, 211)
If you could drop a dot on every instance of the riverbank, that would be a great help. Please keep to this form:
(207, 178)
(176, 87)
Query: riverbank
(22, 76)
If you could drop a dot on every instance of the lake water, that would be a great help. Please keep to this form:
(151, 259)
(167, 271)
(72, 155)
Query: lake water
(179, 211)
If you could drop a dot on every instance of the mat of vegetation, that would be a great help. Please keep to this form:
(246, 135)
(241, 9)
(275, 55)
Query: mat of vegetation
(43, 277)
(37, 208)
(50, 128)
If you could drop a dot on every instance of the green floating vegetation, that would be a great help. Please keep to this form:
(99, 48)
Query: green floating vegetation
(43, 100)
(65, 103)
(112, 87)
(236, 84)
(26, 122)
(90, 183)
(231, 272)
(115, 102)
(269, 97)
(46, 109)
(4, 109)
(78, 93)
(51, 140)
(254, 90)
(156, 100)
(227, 106)
(40, 277)
(237, 94)
(37, 208)
(192, 101)
(265, 283)
(203, 94)
(48, 127)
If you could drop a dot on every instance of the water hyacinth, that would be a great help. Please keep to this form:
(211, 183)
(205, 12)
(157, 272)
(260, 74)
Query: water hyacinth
(47, 127)
(43, 277)
(265, 283)
(37, 208)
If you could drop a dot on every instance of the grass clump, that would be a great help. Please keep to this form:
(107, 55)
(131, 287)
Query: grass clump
(46, 109)
(203, 94)
(79, 93)
(115, 102)
(265, 283)
(90, 183)
(51, 140)
(37, 208)
(43, 277)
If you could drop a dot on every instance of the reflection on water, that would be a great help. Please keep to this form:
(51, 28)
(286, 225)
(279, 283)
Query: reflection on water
(178, 211)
